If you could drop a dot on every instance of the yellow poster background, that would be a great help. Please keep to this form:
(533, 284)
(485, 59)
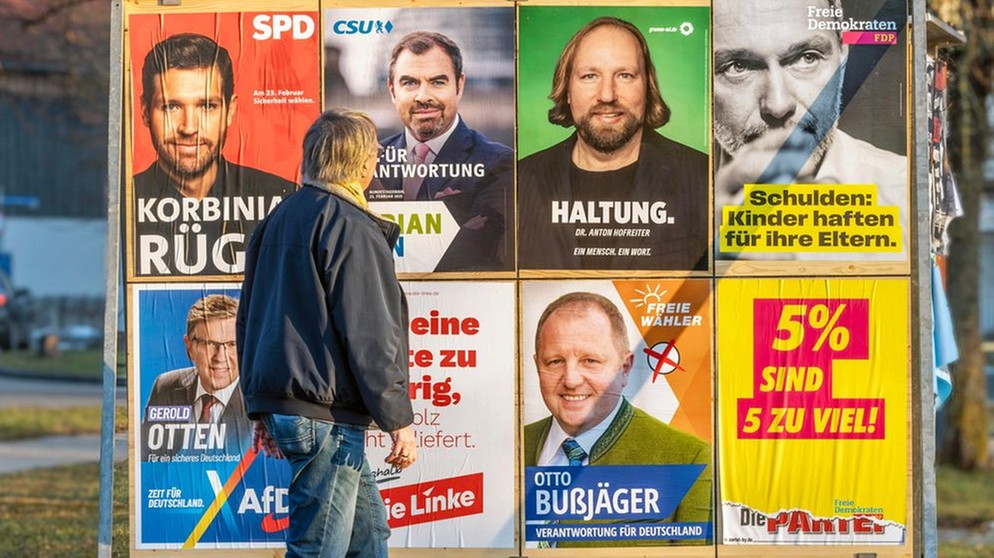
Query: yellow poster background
(833, 479)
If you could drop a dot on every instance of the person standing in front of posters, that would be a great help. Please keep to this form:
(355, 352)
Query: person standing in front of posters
(612, 167)
(188, 103)
(583, 360)
(777, 101)
(322, 338)
(473, 175)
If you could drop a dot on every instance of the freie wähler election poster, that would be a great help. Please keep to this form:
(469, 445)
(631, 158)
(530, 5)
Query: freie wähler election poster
(613, 128)
(460, 492)
(198, 482)
(219, 105)
(810, 130)
(813, 380)
(617, 413)
(439, 85)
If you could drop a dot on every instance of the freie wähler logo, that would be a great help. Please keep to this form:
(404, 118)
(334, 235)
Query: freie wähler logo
(361, 26)
(686, 29)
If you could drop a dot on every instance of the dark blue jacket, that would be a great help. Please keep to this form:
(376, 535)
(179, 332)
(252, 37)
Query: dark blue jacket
(322, 321)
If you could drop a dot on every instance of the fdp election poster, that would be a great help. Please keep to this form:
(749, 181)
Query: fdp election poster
(617, 412)
(198, 483)
(813, 410)
(460, 492)
(810, 118)
(219, 104)
(439, 84)
(613, 126)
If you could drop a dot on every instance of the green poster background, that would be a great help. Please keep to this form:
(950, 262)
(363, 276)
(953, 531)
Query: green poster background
(682, 66)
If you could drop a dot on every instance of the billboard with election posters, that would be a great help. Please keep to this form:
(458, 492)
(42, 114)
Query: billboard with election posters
(813, 379)
(198, 483)
(219, 104)
(810, 145)
(439, 84)
(460, 492)
(621, 371)
(613, 137)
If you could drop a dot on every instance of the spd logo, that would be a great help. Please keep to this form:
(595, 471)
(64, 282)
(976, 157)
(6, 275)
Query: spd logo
(267, 27)
(361, 26)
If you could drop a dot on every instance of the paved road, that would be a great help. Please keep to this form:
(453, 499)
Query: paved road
(24, 455)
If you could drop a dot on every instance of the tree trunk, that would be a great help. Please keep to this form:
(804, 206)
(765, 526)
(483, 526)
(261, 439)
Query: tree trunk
(966, 438)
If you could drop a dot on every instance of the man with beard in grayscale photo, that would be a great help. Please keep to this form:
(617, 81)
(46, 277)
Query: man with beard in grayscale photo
(615, 171)
(777, 101)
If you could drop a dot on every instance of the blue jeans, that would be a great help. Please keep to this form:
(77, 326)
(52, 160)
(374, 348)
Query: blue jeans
(335, 508)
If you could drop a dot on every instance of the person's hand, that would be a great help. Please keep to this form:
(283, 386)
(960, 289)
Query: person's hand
(404, 451)
(261, 440)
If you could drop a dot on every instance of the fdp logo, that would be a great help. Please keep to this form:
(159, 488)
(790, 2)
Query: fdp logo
(361, 26)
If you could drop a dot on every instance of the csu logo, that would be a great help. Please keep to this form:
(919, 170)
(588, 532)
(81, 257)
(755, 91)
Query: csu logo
(361, 26)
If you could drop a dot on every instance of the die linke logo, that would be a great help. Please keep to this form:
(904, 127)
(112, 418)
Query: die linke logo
(434, 500)
(361, 26)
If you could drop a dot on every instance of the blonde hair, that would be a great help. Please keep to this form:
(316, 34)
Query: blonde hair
(336, 146)
(211, 307)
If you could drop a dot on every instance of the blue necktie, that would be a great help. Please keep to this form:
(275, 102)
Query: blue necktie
(573, 452)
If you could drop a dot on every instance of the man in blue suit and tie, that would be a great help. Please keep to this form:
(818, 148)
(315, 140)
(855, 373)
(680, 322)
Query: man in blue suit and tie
(439, 158)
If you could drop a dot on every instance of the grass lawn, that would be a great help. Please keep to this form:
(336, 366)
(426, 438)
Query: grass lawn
(84, 365)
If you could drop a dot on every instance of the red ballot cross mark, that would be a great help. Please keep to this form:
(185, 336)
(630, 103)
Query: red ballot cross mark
(667, 358)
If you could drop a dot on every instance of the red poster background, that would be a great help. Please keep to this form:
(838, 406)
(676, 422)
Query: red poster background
(264, 136)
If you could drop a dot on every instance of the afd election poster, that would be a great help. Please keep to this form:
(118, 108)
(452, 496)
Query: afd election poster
(810, 141)
(439, 85)
(813, 380)
(613, 128)
(617, 412)
(460, 492)
(219, 105)
(198, 483)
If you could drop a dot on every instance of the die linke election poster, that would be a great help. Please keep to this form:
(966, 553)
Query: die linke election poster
(617, 410)
(810, 143)
(613, 143)
(198, 483)
(460, 492)
(813, 410)
(439, 85)
(219, 105)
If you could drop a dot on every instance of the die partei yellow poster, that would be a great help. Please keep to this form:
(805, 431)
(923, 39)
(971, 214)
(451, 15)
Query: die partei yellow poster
(813, 410)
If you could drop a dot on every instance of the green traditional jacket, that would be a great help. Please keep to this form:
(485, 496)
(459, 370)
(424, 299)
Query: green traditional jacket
(635, 438)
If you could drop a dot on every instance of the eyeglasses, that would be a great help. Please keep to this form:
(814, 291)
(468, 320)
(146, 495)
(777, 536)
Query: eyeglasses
(213, 345)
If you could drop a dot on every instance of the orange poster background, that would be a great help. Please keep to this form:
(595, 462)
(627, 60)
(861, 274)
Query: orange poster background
(263, 136)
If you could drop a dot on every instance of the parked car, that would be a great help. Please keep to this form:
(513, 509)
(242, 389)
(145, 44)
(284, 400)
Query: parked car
(16, 315)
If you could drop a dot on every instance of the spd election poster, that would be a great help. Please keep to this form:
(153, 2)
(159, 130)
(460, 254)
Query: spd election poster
(198, 482)
(219, 104)
(460, 492)
(811, 158)
(439, 84)
(621, 371)
(813, 387)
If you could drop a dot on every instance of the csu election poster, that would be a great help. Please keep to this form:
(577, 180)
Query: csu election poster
(617, 412)
(613, 127)
(810, 119)
(813, 388)
(439, 85)
(219, 105)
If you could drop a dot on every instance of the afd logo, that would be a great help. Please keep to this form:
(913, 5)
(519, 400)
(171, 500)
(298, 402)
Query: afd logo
(361, 26)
